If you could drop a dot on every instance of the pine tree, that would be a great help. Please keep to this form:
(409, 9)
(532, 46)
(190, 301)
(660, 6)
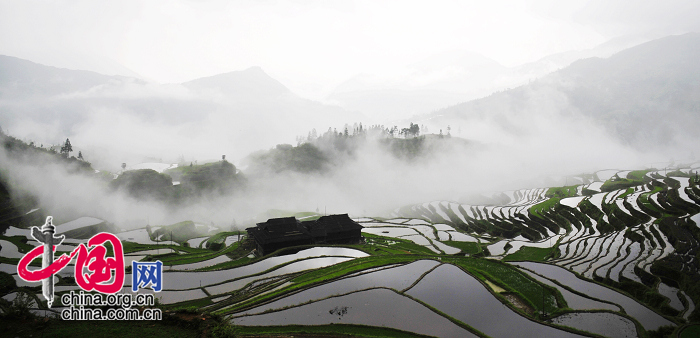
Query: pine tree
(66, 149)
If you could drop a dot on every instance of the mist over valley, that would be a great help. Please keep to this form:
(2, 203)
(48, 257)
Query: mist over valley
(372, 169)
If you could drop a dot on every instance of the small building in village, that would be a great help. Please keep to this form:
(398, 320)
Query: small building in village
(334, 229)
(279, 233)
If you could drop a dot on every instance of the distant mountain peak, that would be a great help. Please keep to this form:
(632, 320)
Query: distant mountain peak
(242, 83)
(255, 69)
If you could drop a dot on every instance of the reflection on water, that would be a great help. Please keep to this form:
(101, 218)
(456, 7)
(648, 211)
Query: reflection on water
(203, 264)
(307, 264)
(376, 307)
(397, 278)
(188, 280)
(573, 300)
(9, 250)
(672, 294)
(603, 323)
(458, 294)
(648, 318)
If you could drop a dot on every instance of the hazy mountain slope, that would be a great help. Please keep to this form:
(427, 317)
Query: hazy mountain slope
(554, 62)
(424, 86)
(122, 119)
(21, 78)
(248, 84)
(646, 96)
(451, 78)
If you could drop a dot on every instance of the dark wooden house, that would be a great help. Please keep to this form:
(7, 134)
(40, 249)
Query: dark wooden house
(279, 233)
(334, 229)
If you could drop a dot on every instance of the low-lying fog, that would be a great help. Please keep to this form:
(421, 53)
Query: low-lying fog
(615, 113)
(533, 149)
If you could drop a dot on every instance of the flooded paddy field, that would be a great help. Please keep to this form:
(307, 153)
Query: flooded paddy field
(627, 229)
(396, 278)
(303, 260)
(459, 295)
(574, 300)
(602, 323)
(307, 264)
(448, 264)
(649, 319)
(376, 307)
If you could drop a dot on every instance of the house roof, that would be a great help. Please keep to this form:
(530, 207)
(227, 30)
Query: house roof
(331, 224)
(279, 230)
(288, 229)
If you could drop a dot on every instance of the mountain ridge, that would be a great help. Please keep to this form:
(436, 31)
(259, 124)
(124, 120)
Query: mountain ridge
(241, 110)
(451, 78)
(243, 83)
(644, 95)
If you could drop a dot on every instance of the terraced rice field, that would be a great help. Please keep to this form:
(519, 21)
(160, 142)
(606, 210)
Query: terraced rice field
(614, 255)
(627, 229)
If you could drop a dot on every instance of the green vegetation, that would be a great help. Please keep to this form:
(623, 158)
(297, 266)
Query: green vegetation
(320, 153)
(616, 183)
(216, 242)
(644, 201)
(20, 242)
(305, 158)
(690, 332)
(638, 174)
(145, 183)
(471, 248)
(561, 192)
(677, 173)
(218, 177)
(512, 280)
(539, 209)
(195, 181)
(7, 283)
(394, 245)
(30, 153)
(15, 203)
(183, 168)
(409, 148)
(629, 191)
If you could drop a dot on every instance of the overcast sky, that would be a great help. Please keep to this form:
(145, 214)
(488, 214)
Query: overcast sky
(315, 45)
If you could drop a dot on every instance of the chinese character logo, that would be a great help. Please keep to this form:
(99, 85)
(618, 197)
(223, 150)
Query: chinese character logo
(104, 274)
(144, 274)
